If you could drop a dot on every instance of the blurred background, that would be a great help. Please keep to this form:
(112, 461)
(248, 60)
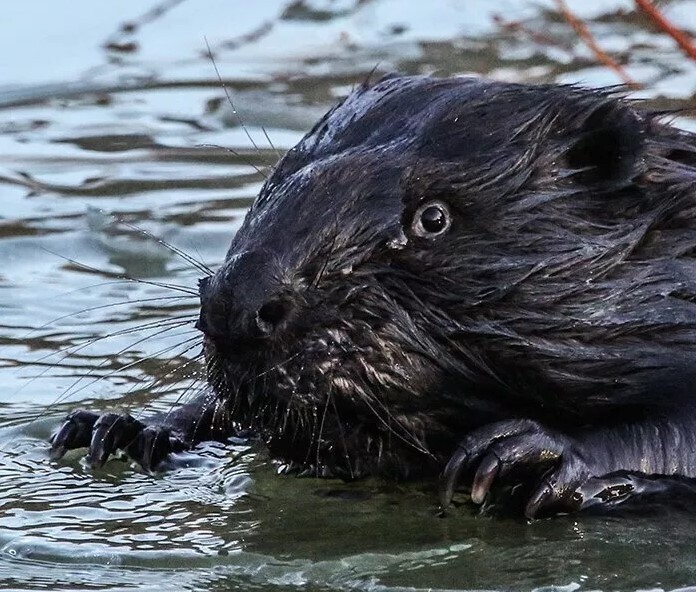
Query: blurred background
(114, 130)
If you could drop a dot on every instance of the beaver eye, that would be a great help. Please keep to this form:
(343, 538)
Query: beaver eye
(431, 219)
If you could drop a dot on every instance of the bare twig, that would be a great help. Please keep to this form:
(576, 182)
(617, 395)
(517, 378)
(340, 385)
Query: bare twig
(685, 44)
(584, 33)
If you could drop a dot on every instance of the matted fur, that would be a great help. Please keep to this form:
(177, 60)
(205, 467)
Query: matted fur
(563, 291)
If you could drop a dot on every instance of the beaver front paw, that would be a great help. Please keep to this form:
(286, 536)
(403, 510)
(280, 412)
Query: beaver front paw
(520, 451)
(110, 432)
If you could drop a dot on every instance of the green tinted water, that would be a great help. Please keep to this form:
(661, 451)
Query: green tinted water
(90, 130)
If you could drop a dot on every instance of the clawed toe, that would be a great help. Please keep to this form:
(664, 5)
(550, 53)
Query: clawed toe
(518, 452)
(76, 432)
(111, 432)
(152, 446)
(106, 434)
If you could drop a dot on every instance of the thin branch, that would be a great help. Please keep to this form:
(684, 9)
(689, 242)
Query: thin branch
(584, 33)
(685, 44)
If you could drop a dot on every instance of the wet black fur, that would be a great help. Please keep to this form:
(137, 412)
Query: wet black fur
(563, 292)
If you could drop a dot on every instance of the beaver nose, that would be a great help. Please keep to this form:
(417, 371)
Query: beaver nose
(247, 299)
(271, 315)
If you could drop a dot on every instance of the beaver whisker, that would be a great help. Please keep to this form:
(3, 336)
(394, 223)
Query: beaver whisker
(225, 390)
(409, 438)
(179, 369)
(342, 435)
(270, 143)
(278, 366)
(320, 432)
(229, 97)
(215, 422)
(287, 412)
(237, 154)
(195, 263)
(313, 426)
(174, 287)
(367, 397)
(70, 351)
(98, 307)
(72, 390)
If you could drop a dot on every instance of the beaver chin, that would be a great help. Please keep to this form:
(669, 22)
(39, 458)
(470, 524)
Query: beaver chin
(324, 405)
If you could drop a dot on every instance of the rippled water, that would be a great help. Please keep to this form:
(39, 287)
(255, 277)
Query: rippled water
(105, 126)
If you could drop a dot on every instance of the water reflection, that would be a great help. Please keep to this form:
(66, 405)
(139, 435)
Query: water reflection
(118, 114)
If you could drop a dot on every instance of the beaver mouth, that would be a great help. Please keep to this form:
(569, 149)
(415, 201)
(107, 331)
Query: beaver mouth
(322, 407)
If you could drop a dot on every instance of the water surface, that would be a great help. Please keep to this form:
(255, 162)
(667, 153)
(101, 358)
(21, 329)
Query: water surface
(116, 117)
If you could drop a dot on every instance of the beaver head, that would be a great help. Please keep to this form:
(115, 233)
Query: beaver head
(440, 253)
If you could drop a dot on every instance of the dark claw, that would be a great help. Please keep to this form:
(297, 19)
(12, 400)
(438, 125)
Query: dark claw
(471, 448)
(559, 491)
(76, 432)
(485, 475)
(111, 432)
(452, 475)
(519, 452)
(152, 446)
(105, 434)
(540, 499)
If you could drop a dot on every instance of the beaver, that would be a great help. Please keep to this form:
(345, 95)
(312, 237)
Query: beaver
(488, 283)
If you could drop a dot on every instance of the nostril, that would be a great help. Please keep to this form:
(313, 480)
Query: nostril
(272, 314)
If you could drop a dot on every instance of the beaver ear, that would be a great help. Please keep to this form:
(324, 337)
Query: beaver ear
(609, 149)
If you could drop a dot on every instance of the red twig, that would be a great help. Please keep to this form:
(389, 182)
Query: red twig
(663, 24)
(584, 33)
